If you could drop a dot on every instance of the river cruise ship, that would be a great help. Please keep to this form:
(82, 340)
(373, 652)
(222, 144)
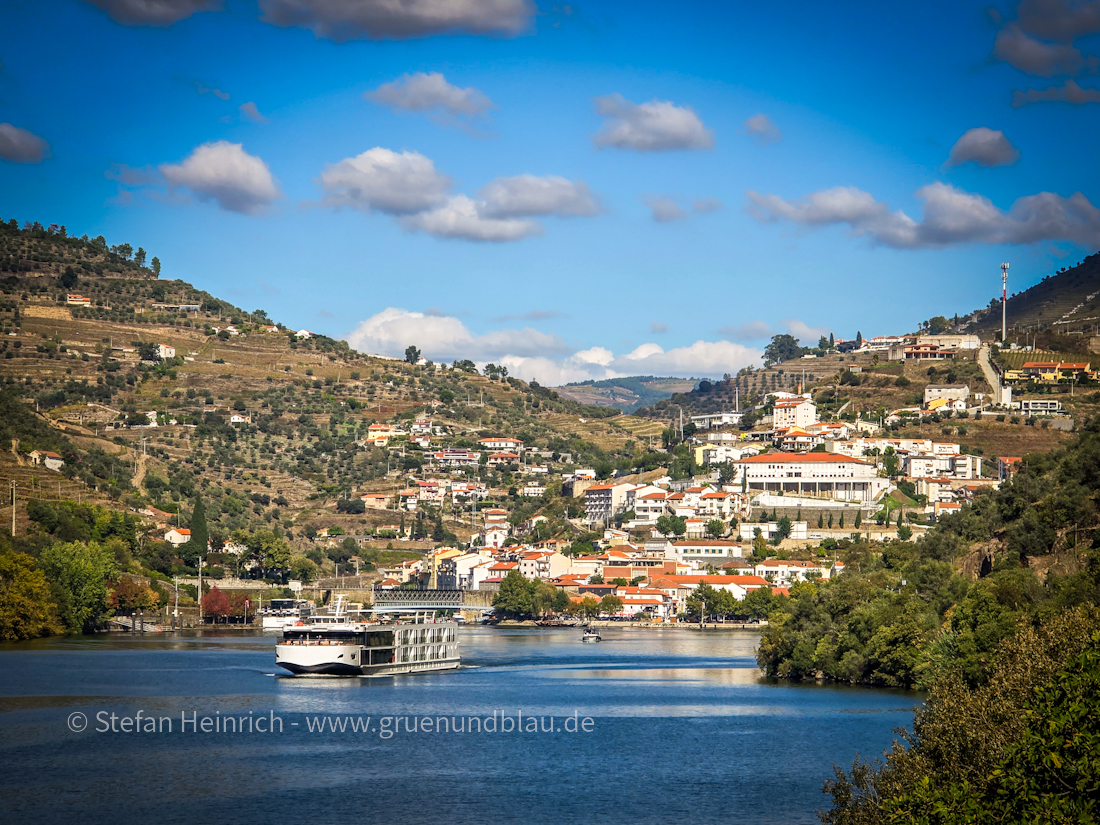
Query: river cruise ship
(281, 613)
(337, 645)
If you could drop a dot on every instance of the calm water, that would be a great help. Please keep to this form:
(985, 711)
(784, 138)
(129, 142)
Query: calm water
(682, 730)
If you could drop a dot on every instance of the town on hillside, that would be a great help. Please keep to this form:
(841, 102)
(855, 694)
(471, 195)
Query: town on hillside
(149, 397)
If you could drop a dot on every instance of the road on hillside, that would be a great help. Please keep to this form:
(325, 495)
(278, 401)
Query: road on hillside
(990, 374)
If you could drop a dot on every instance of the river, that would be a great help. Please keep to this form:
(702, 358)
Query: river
(647, 727)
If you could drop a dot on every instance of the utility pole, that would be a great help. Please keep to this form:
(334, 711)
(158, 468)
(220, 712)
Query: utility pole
(13, 509)
(1004, 302)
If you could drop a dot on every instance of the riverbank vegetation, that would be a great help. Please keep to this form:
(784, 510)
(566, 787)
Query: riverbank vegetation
(905, 614)
(993, 613)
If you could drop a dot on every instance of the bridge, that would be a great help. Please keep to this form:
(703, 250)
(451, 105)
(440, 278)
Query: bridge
(400, 601)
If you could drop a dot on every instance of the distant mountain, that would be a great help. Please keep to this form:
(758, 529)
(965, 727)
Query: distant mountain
(628, 394)
(1067, 301)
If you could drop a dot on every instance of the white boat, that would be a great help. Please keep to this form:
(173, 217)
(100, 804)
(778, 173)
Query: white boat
(282, 613)
(336, 645)
(591, 635)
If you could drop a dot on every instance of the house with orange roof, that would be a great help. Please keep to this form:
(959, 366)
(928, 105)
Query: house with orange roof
(787, 571)
(496, 459)
(680, 588)
(1007, 466)
(796, 439)
(178, 536)
(796, 412)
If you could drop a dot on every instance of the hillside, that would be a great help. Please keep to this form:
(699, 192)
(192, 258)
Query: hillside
(1067, 301)
(627, 394)
(95, 378)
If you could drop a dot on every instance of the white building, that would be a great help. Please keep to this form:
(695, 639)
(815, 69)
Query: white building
(800, 530)
(943, 466)
(821, 474)
(178, 536)
(794, 413)
(602, 502)
(712, 420)
(950, 392)
(501, 443)
(166, 352)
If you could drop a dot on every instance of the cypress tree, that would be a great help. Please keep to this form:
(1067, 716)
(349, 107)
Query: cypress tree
(841, 521)
(830, 521)
(859, 518)
(200, 533)
(820, 520)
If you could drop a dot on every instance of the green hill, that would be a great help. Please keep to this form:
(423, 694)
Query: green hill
(92, 371)
(627, 394)
(1067, 301)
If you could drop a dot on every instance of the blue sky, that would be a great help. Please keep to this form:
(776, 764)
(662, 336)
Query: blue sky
(574, 191)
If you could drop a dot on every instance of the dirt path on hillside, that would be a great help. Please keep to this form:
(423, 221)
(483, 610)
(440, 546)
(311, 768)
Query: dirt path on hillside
(15, 452)
(139, 474)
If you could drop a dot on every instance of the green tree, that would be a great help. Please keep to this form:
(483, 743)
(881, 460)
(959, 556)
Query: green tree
(78, 573)
(610, 605)
(155, 265)
(412, 354)
(716, 528)
(514, 597)
(937, 325)
(782, 348)
(26, 607)
(303, 569)
(199, 542)
(69, 279)
(139, 257)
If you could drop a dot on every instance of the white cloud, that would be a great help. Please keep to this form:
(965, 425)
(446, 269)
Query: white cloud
(226, 173)
(428, 92)
(533, 315)
(762, 129)
(343, 20)
(445, 338)
(407, 185)
(985, 147)
(154, 12)
(545, 357)
(1070, 92)
(705, 205)
(1036, 57)
(20, 146)
(951, 216)
(385, 181)
(656, 126)
(249, 111)
(664, 208)
(761, 331)
(203, 89)
(461, 217)
(531, 196)
(700, 358)
(1041, 40)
